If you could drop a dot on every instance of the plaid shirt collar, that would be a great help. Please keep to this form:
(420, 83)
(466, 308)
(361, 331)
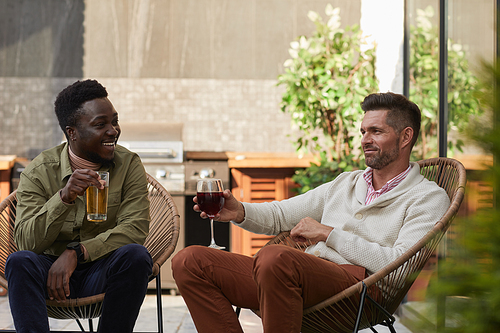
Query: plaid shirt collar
(371, 194)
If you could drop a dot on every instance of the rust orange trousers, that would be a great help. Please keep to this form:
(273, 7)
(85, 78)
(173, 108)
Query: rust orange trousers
(279, 281)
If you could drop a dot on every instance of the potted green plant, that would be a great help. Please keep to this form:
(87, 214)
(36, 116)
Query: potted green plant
(326, 78)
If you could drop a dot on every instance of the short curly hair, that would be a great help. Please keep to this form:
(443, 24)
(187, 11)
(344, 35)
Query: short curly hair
(68, 104)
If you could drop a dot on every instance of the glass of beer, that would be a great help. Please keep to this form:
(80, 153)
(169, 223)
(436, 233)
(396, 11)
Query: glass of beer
(97, 200)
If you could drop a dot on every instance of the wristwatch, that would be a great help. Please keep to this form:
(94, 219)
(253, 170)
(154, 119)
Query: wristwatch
(78, 249)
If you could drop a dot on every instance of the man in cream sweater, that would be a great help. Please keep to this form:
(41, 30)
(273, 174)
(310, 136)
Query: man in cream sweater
(359, 222)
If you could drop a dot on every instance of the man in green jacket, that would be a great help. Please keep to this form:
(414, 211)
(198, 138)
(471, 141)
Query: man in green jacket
(62, 254)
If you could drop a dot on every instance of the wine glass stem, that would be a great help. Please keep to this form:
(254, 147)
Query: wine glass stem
(212, 242)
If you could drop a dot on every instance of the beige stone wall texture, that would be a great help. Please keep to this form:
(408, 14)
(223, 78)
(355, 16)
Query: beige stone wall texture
(209, 65)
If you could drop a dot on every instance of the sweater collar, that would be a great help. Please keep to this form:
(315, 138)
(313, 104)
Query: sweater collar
(412, 179)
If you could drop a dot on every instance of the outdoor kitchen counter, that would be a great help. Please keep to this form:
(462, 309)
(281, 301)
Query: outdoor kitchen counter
(267, 160)
(253, 159)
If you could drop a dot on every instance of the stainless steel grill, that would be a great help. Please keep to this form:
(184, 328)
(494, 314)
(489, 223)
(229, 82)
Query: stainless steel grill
(162, 160)
(161, 150)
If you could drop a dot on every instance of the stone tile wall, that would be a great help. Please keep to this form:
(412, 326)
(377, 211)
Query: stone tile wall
(217, 115)
(27, 120)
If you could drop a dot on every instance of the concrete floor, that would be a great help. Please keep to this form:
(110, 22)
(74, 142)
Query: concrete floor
(176, 318)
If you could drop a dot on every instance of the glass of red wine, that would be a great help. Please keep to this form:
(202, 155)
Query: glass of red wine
(211, 200)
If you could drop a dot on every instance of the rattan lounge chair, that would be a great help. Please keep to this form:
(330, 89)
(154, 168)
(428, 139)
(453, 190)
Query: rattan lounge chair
(161, 242)
(342, 312)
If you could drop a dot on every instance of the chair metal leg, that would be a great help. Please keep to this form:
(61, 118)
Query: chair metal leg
(91, 326)
(360, 310)
(389, 322)
(158, 303)
(238, 311)
(391, 328)
(80, 325)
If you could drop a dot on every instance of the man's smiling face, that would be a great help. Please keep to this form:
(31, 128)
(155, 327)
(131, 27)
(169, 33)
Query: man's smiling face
(96, 132)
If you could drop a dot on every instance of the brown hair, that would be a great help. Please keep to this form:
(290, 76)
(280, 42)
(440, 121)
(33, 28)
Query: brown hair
(402, 112)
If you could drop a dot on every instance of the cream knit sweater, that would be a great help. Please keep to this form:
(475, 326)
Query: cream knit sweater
(369, 236)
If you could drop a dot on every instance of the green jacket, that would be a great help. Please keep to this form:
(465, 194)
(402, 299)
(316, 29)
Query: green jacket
(45, 224)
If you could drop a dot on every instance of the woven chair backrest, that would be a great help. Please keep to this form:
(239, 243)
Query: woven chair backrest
(400, 275)
(7, 244)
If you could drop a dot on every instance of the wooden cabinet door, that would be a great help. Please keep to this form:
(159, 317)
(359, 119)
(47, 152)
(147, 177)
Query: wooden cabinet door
(258, 185)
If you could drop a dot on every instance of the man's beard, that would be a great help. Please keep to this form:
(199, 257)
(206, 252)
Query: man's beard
(381, 160)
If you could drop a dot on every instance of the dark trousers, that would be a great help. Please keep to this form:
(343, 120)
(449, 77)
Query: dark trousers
(279, 281)
(123, 276)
